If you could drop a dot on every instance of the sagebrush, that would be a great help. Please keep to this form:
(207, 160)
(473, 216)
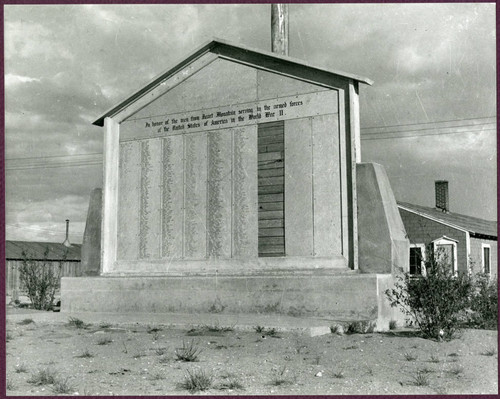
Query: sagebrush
(484, 302)
(41, 279)
(436, 301)
(196, 380)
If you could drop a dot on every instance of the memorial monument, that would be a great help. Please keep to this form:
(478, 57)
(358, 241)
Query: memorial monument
(230, 186)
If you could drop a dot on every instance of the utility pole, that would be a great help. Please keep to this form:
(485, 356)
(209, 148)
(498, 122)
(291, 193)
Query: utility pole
(279, 28)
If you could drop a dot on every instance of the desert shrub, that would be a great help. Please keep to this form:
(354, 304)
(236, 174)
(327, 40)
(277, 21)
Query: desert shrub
(434, 359)
(456, 370)
(231, 383)
(410, 357)
(421, 379)
(338, 374)
(435, 301)
(209, 330)
(41, 279)
(43, 377)
(153, 329)
(196, 380)
(271, 332)
(360, 327)
(21, 368)
(279, 377)
(63, 386)
(160, 351)
(104, 341)
(86, 354)
(10, 385)
(25, 322)
(76, 322)
(189, 352)
(484, 303)
(490, 352)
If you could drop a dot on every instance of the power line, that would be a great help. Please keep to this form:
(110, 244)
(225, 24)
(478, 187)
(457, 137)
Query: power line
(82, 162)
(55, 156)
(434, 128)
(422, 135)
(428, 123)
(59, 165)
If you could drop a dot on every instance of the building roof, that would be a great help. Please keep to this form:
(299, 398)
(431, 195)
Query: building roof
(471, 224)
(249, 56)
(35, 250)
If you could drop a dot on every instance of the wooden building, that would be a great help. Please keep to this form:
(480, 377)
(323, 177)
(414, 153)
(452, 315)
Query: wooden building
(470, 244)
(54, 255)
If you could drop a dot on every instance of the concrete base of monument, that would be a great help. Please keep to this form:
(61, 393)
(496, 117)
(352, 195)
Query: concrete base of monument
(341, 297)
(233, 266)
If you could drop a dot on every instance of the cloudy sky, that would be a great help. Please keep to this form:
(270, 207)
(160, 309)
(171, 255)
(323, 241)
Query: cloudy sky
(430, 115)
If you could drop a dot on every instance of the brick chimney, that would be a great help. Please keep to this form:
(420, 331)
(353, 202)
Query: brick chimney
(66, 242)
(442, 198)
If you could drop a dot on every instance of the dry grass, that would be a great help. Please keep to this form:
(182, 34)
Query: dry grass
(25, 322)
(434, 359)
(10, 385)
(189, 352)
(160, 351)
(45, 376)
(490, 352)
(230, 384)
(62, 386)
(196, 380)
(77, 323)
(421, 379)
(234, 361)
(457, 370)
(86, 354)
(104, 341)
(21, 368)
(280, 378)
(338, 374)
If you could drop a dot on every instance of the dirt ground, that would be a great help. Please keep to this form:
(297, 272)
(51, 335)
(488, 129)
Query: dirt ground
(142, 360)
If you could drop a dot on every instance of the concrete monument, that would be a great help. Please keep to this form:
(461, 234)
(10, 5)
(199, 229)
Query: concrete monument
(230, 186)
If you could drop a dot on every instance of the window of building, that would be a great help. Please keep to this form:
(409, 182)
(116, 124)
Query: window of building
(486, 261)
(445, 251)
(417, 259)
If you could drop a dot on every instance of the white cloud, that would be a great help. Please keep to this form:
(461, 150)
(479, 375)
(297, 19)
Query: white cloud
(45, 220)
(12, 79)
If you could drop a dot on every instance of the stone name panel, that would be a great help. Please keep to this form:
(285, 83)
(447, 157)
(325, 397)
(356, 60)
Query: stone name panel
(129, 200)
(195, 196)
(173, 197)
(281, 108)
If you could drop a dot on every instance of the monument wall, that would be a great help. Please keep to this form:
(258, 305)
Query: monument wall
(189, 186)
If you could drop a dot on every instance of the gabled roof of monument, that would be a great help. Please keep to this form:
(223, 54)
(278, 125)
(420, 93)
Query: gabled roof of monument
(471, 224)
(256, 58)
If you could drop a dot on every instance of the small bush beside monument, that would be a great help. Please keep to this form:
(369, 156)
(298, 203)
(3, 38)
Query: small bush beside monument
(440, 301)
(40, 279)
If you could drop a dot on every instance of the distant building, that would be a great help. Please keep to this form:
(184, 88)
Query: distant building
(69, 257)
(468, 242)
